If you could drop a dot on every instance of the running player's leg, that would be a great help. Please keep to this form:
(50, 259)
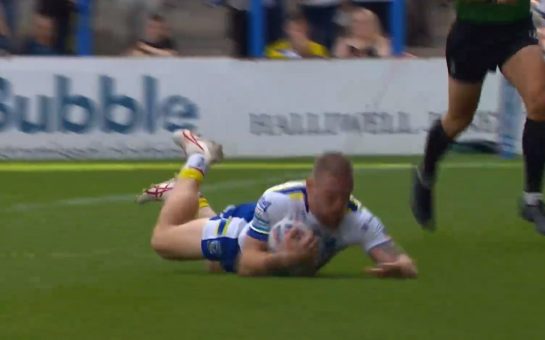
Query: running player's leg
(177, 235)
(466, 74)
(526, 71)
(463, 98)
(463, 101)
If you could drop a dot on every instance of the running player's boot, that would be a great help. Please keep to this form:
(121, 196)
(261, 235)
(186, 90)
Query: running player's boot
(422, 201)
(192, 144)
(534, 213)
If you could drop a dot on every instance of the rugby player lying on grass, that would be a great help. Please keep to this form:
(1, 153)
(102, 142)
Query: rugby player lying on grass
(329, 219)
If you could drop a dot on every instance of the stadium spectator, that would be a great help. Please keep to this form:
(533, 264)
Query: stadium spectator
(365, 38)
(5, 44)
(418, 17)
(297, 44)
(343, 17)
(156, 41)
(137, 14)
(42, 40)
(9, 8)
(541, 37)
(238, 23)
(321, 16)
(61, 12)
(538, 12)
(538, 15)
(419, 22)
(381, 9)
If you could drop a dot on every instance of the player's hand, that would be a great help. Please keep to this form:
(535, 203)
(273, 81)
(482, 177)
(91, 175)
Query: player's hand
(403, 267)
(301, 244)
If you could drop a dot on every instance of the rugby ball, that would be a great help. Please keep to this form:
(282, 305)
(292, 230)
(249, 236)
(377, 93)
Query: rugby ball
(279, 230)
(276, 240)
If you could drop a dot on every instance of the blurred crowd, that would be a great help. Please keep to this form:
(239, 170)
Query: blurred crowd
(316, 28)
(362, 37)
(538, 11)
(50, 32)
(294, 28)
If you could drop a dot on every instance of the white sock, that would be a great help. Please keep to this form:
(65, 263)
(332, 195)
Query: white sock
(197, 161)
(532, 198)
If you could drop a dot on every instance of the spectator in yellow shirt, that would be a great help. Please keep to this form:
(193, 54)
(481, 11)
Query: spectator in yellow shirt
(297, 45)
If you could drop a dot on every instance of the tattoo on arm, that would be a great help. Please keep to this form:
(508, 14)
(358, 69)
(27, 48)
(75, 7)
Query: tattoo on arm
(388, 251)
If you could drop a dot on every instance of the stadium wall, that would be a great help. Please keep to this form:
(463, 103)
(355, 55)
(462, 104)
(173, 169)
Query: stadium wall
(102, 108)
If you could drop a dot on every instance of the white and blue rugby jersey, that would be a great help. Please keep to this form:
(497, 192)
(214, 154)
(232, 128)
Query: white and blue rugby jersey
(359, 226)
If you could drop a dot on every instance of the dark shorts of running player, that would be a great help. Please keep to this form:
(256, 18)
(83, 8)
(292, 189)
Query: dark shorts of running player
(475, 49)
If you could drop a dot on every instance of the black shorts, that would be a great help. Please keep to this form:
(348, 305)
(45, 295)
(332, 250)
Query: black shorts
(474, 49)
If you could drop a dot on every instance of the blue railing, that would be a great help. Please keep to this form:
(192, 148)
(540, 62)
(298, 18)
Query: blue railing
(84, 41)
(397, 23)
(256, 32)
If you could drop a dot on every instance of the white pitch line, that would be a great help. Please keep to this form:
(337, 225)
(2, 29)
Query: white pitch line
(124, 198)
(235, 184)
(44, 167)
(77, 201)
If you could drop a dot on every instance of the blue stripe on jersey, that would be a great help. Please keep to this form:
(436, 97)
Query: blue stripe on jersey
(244, 211)
(258, 236)
(221, 226)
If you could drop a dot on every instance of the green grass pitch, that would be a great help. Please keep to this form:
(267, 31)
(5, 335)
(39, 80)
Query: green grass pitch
(75, 262)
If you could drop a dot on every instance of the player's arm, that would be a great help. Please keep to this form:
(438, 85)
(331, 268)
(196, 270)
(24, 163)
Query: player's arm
(390, 260)
(255, 259)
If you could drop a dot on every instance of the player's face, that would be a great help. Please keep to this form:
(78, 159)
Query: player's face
(328, 198)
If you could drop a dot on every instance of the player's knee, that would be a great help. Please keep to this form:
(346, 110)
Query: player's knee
(161, 246)
(453, 124)
(536, 106)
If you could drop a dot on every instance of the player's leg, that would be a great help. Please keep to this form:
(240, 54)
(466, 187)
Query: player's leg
(526, 71)
(463, 98)
(464, 91)
(205, 210)
(463, 101)
(177, 235)
(160, 192)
